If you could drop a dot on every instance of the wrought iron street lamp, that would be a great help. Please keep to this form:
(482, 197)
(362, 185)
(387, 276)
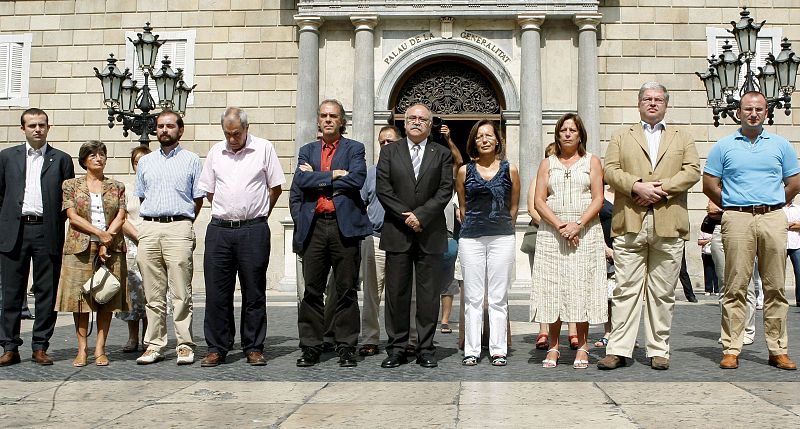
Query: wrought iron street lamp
(776, 80)
(123, 97)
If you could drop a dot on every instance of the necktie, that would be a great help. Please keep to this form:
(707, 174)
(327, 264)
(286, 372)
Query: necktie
(416, 159)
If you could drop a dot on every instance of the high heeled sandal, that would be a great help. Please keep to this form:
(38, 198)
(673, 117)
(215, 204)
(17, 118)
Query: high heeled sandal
(542, 342)
(581, 363)
(573, 342)
(551, 363)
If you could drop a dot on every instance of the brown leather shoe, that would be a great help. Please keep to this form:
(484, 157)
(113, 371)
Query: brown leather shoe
(611, 362)
(729, 361)
(659, 362)
(40, 357)
(782, 362)
(256, 358)
(9, 358)
(212, 359)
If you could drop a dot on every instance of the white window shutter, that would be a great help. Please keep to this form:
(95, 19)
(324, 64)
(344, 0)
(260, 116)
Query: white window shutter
(16, 63)
(763, 48)
(176, 49)
(4, 69)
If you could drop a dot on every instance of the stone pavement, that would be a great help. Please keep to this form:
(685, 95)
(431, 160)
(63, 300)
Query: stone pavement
(693, 393)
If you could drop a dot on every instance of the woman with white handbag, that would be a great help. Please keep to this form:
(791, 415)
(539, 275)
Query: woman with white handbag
(94, 271)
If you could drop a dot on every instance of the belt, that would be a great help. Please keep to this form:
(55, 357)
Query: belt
(237, 223)
(325, 215)
(166, 219)
(756, 210)
(32, 219)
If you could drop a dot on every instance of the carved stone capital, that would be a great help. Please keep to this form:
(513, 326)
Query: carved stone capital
(308, 23)
(587, 22)
(364, 22)
(530, 22)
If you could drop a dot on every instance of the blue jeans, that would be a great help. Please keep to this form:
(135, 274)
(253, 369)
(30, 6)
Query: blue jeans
(794, 256)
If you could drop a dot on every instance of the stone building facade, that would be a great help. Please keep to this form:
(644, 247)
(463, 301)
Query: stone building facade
(521, 62)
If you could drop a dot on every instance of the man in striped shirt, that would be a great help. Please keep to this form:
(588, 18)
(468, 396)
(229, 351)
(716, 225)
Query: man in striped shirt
(167, 184)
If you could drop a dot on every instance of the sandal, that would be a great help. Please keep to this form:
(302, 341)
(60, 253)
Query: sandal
(542, 342)
(573, 342)
(101, 360)
(80, 361)
(499, 360)
(602, 342)
(470, 361)
(446, 329)
(581, 363)
(551, 363)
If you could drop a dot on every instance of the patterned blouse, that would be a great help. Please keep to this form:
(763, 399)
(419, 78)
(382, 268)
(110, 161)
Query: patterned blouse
(76, 196)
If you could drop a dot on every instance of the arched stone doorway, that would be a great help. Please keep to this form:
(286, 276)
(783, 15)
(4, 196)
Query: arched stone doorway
(458, 92)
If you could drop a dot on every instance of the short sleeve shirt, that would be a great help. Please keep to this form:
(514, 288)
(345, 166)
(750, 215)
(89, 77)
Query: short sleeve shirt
(168, 183)
(752, 173)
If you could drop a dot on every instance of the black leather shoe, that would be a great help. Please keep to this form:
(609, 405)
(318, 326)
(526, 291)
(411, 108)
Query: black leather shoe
(427, 361)
(393, 361)
(691, 298)
(309, 358)
(347, 357)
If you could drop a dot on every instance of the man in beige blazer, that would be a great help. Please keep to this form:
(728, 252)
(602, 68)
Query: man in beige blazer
(651, 167)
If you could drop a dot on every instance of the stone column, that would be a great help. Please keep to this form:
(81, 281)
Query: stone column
(364, 84)
(588, 105)
(307, 80)
(531, 146)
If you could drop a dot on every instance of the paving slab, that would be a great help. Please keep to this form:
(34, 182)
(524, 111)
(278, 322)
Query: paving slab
(388, 393)
(543, 415)
(254, 392)
(529, 393)
(688, 415)
(369, 416)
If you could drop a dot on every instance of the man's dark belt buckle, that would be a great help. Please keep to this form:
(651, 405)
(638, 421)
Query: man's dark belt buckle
(32, 219)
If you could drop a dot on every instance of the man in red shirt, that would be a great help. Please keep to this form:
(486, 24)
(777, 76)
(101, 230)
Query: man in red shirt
(330, 220)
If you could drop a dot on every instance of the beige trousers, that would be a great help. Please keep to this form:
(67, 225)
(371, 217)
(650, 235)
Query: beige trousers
(165, 261)
(745, 236)
(646, 266)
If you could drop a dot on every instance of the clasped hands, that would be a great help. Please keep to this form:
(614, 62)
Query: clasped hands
(648, 193)
(337, 174)
(570, 231)
(412, 221)
(105, 240)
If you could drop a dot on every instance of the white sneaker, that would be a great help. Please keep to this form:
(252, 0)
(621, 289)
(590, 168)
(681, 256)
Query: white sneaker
(748, 341)
(185, 355)
(149, 356)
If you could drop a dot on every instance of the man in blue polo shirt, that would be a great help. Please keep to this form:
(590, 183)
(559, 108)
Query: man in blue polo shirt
(751, 175)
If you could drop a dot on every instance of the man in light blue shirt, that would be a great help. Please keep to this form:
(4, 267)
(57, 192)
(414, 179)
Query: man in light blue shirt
(167, 184)
(751, 175)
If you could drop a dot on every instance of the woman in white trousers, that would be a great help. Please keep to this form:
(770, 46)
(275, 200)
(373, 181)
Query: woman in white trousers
(488, 193)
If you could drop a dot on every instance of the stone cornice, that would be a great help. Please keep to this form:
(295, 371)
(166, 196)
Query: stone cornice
(344, 9)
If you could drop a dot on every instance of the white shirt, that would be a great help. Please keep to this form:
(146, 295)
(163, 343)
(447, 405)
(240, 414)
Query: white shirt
(653, 136)
(793, 237)
(98, 214)
(32, 202)
(421, 147)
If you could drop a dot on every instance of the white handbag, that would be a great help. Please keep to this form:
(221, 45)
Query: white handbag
(102, 286)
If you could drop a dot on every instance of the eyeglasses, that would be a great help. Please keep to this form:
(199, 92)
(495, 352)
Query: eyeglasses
(415, 119)
(487, 138)
(651, 100)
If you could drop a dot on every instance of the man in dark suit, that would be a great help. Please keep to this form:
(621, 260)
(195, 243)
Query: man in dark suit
(330, 220)
(415, 183)
(33, 229)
